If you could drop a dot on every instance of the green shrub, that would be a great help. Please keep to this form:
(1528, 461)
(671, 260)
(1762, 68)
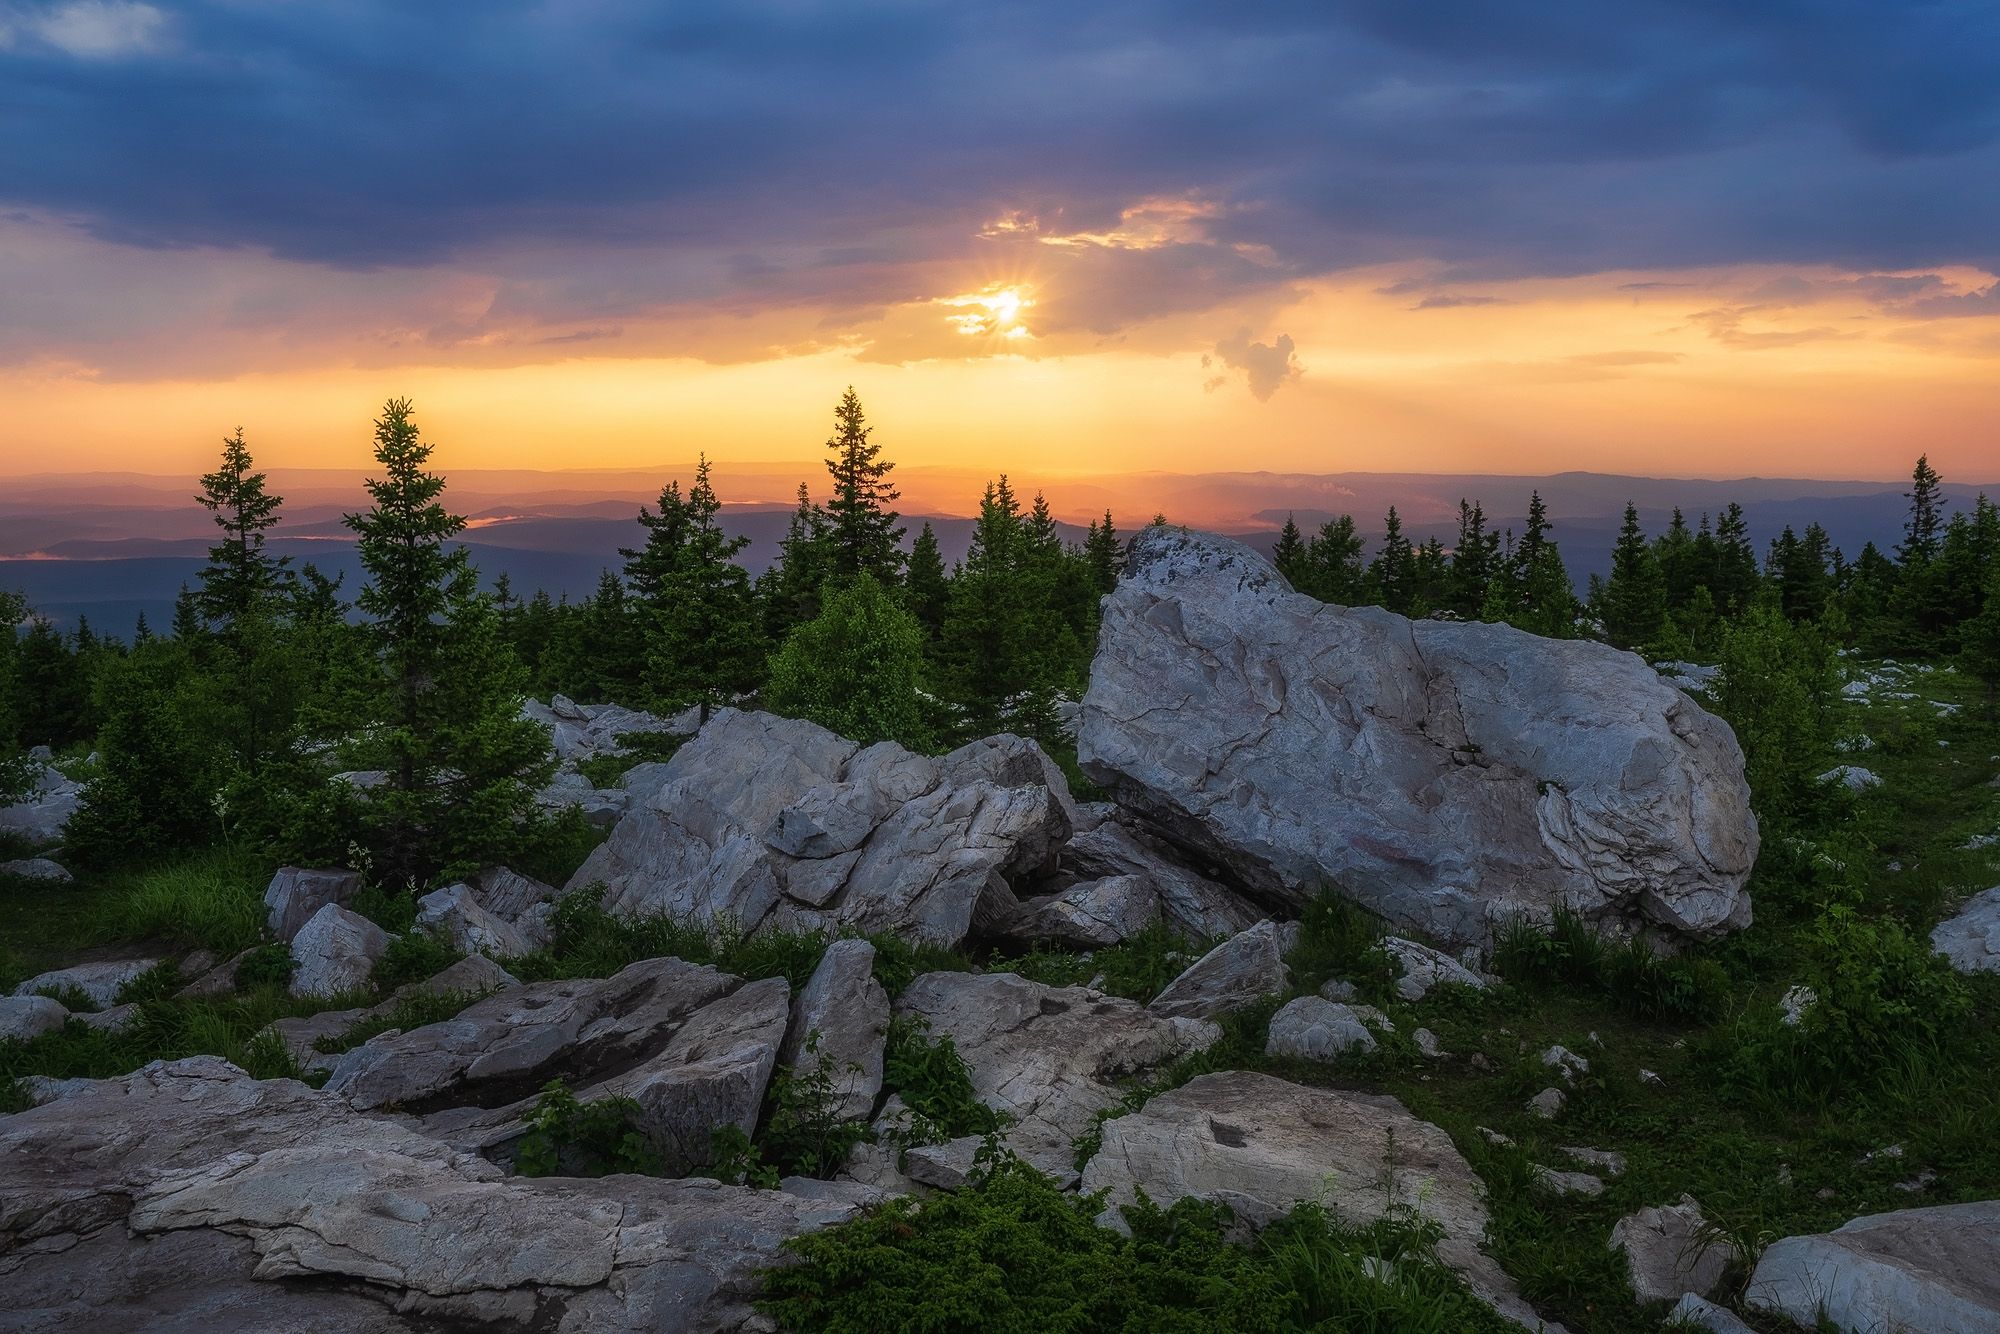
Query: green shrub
(900, 961)
(1137, 969)
(1014, 1254)
(1340, 939)
(803, 1133)
(269, 965)
(70, 996)
(585, 1139)
(414, 957)
(587, 941)
(1642, 982)
(935, 1084)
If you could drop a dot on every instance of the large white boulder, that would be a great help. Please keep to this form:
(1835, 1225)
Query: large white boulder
(1262, 1145)
(1970, 939)
(336, 952)
(763, 819)
(1449, 775)
(1935, 1270)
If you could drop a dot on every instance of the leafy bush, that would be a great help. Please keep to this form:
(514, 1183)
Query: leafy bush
(1639, 980)
(900, 961)
(935, 1084)
(1339, 938)
(1015, 1254)
(855, 669)
(804, 1134)
(585, 1139)
(413, 957)
(269, 965)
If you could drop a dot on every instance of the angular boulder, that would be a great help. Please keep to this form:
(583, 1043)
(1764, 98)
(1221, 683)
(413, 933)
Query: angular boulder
(296, 893)
(41, 817)
(844, 1012)
(1051, 1058)
(1970, 938)
(25, 1018)
(1313, 1028)
(1449, 775)
(190, 1196)
(1935, 1269)
(1262, 1145)
(336, 952)
(1669, 1251)
(1195, 904)
(1241, 971)
(1092, 914)
(507, 1046)
(775, 820)
(456, 913)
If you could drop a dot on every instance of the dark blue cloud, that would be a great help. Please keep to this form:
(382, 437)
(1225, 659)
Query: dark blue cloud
(792, 140)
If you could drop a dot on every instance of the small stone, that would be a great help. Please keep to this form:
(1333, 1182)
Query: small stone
(1427, 1043)
(25, 1018)
(1547, 1104)
(1567, 1183)
(1337, 990)
(1566, 1063)
(39, 869)
(1315, 1029)
(1495, 1138)
(1693, 1312)
(1425, 968)
(1603, 1160)
(1669, 1251)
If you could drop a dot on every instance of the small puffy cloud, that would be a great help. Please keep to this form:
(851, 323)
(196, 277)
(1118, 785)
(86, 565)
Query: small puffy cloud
(1265, 366)
(99, 29)
(1981, 301)
(1452, 300)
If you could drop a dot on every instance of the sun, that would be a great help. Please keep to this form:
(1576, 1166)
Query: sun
(992, 312)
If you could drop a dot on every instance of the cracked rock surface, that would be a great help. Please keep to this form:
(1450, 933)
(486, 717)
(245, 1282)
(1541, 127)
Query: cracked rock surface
(1450, 775)
(188, 1195)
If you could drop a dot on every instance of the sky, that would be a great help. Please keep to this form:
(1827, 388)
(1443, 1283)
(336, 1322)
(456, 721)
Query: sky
(1664, 237)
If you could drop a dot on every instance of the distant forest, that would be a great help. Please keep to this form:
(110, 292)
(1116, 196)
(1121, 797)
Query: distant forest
(271, 678)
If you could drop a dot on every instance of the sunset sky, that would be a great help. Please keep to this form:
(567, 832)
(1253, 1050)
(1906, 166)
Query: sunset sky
(1683, 238)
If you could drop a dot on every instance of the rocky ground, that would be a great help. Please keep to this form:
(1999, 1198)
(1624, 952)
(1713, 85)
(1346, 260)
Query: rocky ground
(801, 978)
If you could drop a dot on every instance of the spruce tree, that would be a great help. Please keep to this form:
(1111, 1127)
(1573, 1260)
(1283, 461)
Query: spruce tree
(1634, 605)
(789, 590)
(240, 575)
(1334, 571)
(1390, 575)
(926, 588)
(462, 764)
(1923, 530)
(1734, 581)
(1474, 561)
(1979, 645)
(1289, 555)
(1103, 555)
(705, 644)
(862, 529)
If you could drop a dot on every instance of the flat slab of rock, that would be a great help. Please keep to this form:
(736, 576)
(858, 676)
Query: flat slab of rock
(1970, 938)
(1935, 1270)
(1262, 1145)
(1241, 971)
(1449, 775)
(768, 819)
(297, 1213)
(1050, 1057)
(336, 952)
(296, 893)
(507, 1046)
(101, 981)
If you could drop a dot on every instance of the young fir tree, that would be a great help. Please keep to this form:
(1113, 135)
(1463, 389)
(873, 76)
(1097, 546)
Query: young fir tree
(463, 765)
(856, 668)
(1102, 555)
(1979, 644)
(1390, 574)
(1776, 687)
(1334, 570)
(1534, 592)
(861, 528)
(1289, 555)
(1734, 579)
(926, 587)
(240, 598)
(789, 590)
(1475, 560)
(1923, 530)
(1430, 578)
(705, 644)
(241, 576)
(51, 693)
(154, 790)
(1634, 605)
(996, 653)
